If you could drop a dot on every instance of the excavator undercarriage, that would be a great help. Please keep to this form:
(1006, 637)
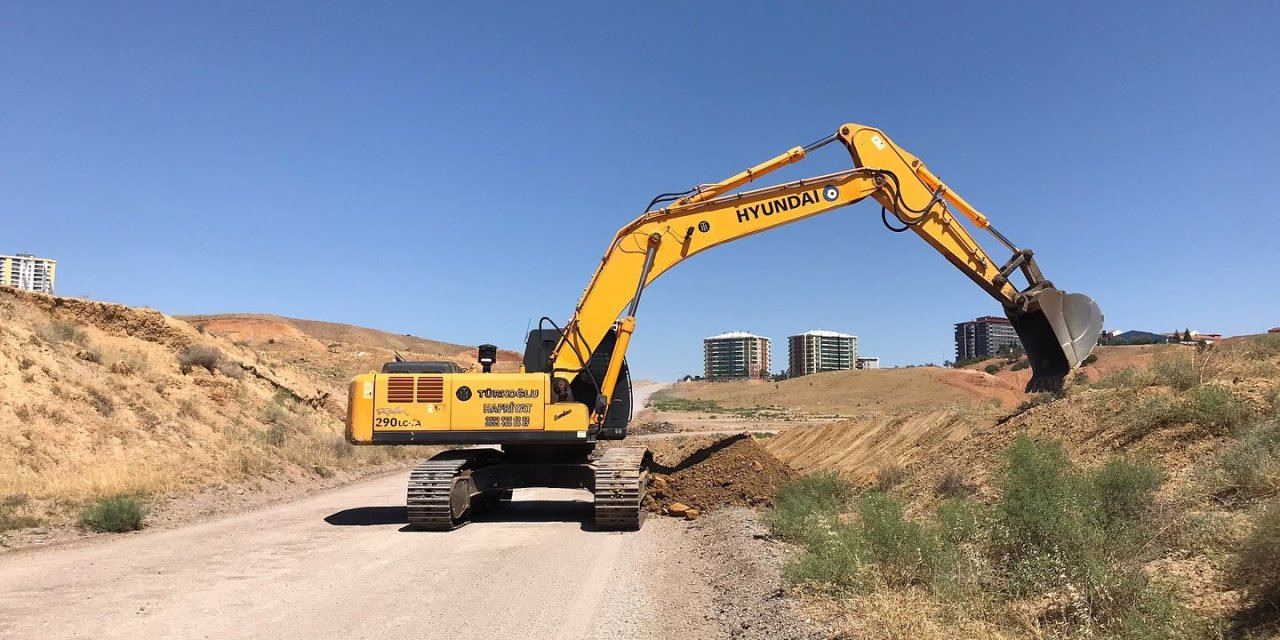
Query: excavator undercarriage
(451, 487)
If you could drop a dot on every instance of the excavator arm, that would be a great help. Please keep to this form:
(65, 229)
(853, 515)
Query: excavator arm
(1057, 330)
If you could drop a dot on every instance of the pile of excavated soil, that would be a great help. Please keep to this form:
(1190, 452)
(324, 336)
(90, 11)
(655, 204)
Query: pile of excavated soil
(649, 428)
(734, 471)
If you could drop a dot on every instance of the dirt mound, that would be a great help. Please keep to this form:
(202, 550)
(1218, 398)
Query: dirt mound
(649, 428)
(733, 471)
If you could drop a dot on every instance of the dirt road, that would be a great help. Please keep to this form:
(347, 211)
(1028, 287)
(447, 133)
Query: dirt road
(338, 565)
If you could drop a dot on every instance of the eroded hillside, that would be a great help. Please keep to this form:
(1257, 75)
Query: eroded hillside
(99, 399)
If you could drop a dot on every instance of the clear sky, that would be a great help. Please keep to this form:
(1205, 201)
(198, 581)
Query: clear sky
(455, 170)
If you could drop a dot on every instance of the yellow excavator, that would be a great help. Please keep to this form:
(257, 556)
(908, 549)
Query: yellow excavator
(574, 390)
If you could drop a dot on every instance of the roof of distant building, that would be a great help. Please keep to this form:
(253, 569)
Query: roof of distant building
(824, 334)
(735, 334)
(987, 319)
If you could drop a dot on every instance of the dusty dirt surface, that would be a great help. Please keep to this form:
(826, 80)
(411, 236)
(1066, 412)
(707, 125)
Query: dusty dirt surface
(743, 564)
(338, 565)
(734, 471)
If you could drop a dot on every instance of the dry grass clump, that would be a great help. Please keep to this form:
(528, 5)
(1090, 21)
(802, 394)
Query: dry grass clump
(199, 355)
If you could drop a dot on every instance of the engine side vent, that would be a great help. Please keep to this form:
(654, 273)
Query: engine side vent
(399, 389)
(430, 389)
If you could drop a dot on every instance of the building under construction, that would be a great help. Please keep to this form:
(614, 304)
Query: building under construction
(736, 355)
(25, 271)
(814, 351)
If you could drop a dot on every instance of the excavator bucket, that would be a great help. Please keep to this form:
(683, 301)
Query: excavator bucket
(1058, 331)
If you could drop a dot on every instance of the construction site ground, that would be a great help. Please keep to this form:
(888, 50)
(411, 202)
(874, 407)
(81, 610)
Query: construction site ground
(339, 564)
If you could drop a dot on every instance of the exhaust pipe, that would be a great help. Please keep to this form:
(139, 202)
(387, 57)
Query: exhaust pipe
(1058, 331)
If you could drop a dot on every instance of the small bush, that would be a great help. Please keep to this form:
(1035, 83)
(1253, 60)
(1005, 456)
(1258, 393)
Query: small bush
(1257, 568)
(1020, 365)
(1178, 371)
(1249, 468)
(808, 506)
(1217, 409)
(953, 485)
(1156, 412)
(187, 408)
(889, 477)
(89, 354)
(1089, 359)
(114, 514)
(60, 331)
(960, 521)
(10, 518)
(101, 402)
(198, 355)
(905, 553)
(763, 435)
(1123, 493)
(992, 368)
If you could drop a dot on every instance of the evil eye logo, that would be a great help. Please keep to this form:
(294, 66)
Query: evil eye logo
(704, 226)
(463, 393)
(830, 193)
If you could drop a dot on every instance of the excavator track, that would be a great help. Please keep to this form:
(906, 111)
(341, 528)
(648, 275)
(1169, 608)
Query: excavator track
(439, 495)
(622, 477)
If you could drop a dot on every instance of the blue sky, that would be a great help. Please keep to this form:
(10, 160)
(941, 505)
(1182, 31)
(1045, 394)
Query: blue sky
(455, 171)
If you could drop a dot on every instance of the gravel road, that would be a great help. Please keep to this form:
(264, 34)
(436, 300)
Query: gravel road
(338, 565)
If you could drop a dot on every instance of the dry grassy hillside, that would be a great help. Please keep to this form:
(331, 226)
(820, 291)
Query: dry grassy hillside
(99, 399)
(856, 393)
(334, 352)
(1142, 503)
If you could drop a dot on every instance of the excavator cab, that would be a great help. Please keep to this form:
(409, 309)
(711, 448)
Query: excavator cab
(1058, 331)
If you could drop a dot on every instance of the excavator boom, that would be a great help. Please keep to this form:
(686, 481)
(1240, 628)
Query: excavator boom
(1057, 330)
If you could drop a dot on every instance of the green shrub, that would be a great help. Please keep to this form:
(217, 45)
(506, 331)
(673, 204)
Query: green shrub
(992, 368)
(881, 549)
(960, 521)
(1157, 412)
(1089, 359)
(687, 404)
(1249, 468)
(905, 553)
(1039, 535)
(1020, 365)
(1126, 378)
(1123, 493)
(1257, 568)
(1217, 409)
(114, 514)
(1178, 371)
(808, 506)
(199, 355)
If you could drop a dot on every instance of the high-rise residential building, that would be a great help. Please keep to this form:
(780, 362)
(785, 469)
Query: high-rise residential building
(814, 351)
(734, 356)
(984, 337)
(25, 271)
